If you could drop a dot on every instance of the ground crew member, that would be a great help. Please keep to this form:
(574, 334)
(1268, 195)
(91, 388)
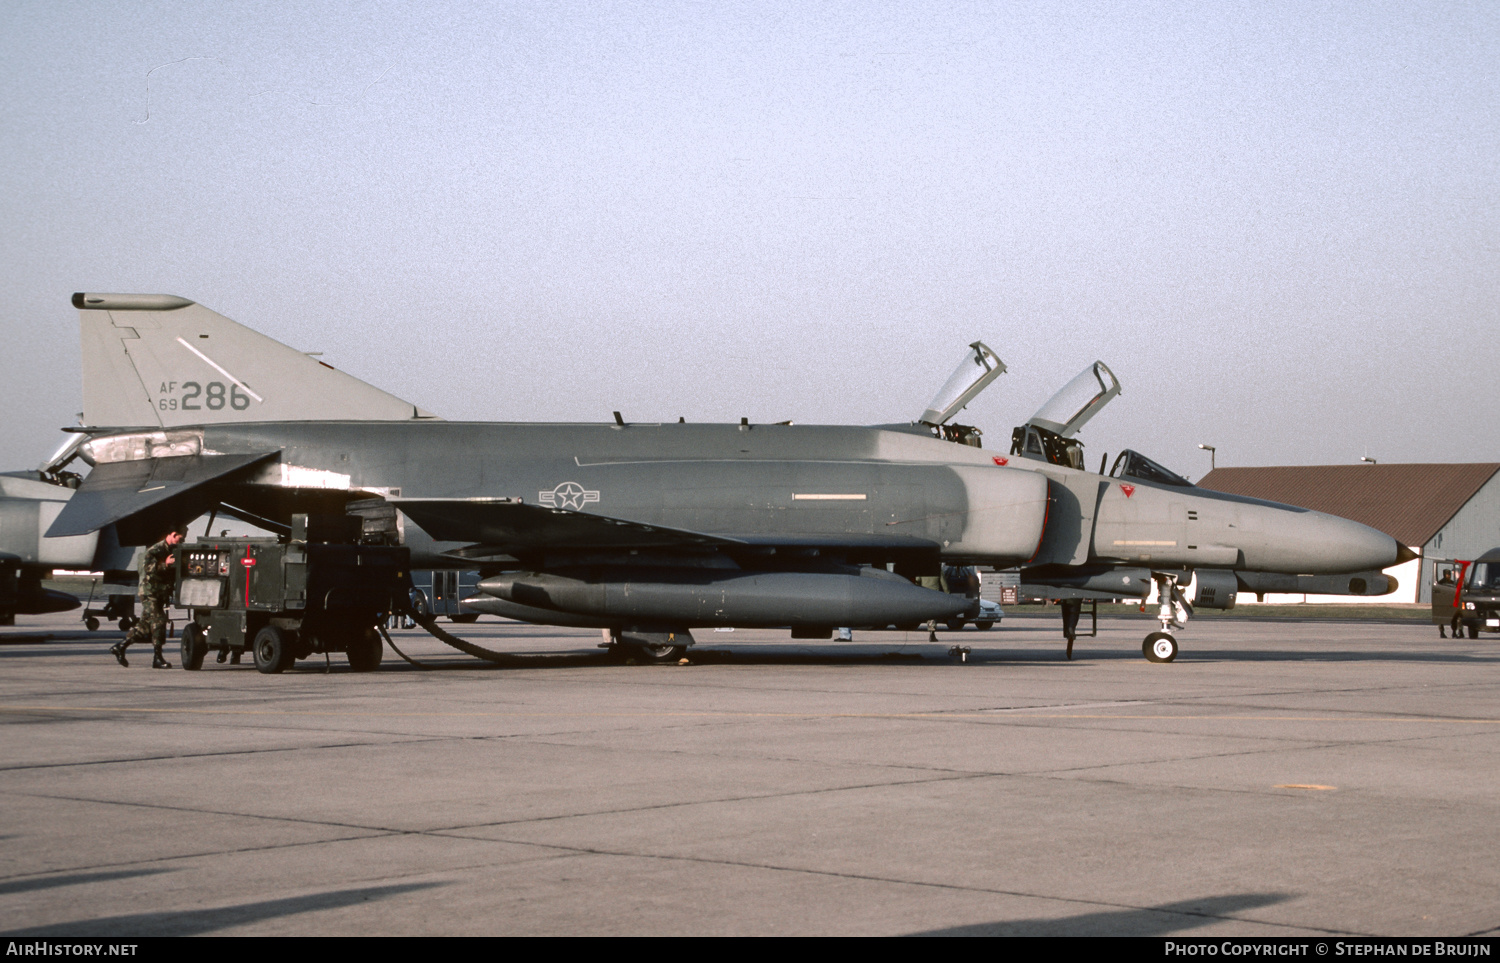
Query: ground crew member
(158, 576)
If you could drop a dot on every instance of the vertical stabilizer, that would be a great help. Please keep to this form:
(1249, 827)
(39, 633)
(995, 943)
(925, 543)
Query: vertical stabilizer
(160, 360)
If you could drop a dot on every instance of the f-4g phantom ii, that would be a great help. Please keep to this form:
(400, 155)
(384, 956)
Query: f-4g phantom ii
(647, 530)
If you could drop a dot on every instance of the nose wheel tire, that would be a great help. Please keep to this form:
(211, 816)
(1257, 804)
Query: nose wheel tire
(1159, 647)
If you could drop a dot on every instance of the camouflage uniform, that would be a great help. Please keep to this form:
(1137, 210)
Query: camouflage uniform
(157, 581)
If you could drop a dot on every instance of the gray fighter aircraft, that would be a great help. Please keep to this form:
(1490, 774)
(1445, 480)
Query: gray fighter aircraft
(29, 502)
(1142, 524)
(648, 530)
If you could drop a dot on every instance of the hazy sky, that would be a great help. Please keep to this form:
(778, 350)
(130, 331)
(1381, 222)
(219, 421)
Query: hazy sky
(1278, 223)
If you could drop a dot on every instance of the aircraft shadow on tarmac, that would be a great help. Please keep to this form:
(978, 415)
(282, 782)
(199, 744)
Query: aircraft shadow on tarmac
(1163, 920)
(811, 653)
(72, 879)
(196, 922)
(52, 638)
(1342, 655)
(898, 654)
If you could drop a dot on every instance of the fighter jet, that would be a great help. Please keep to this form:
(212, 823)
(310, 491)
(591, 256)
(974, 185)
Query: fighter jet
(647, 530)
(29, 502)
(1143, 526)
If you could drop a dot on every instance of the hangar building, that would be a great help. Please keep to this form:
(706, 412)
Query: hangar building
(1441, 512)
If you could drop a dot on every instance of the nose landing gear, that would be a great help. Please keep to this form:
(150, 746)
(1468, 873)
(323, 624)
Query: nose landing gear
(1172, 612)
(1159, 647)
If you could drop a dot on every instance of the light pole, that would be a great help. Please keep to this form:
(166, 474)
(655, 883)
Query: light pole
(1210, 449)
(1367, 458)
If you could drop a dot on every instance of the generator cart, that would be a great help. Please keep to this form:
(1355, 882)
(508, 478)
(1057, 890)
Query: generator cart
(285, 599)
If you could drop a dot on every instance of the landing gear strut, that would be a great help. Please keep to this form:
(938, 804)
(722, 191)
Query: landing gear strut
(1071, 610)
(1172, 612)
(650, 647)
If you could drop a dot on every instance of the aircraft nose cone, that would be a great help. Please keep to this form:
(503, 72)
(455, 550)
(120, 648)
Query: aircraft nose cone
(1313, 543)
(1352, 547)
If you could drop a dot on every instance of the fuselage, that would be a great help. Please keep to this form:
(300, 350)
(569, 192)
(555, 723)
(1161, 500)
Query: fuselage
(975, 505)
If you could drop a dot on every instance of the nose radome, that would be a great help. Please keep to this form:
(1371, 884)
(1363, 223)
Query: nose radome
(1353, 547)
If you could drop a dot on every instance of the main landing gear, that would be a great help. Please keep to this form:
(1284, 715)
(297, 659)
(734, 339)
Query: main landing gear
(650, 648)
(1173, 613)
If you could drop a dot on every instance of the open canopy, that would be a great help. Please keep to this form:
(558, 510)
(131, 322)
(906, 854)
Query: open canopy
(1078, 401)
(978, 368)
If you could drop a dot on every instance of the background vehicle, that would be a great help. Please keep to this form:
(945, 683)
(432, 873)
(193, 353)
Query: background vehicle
(990, 615)
(438, 592)
(1466, 594)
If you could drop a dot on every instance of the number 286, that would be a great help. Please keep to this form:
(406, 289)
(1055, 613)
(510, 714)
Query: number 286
(213, 396)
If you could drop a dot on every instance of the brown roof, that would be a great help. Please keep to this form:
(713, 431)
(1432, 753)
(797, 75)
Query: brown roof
(1408, 502)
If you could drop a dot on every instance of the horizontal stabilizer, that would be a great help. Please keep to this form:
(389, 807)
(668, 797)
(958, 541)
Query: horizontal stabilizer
(118, 490)
(159, 360)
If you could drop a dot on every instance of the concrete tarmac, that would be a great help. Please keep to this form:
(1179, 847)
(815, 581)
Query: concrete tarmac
(1279, 779)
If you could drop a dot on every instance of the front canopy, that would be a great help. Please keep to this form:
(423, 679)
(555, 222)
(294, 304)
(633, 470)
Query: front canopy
(979, 367)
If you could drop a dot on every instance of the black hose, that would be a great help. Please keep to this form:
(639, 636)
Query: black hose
(429, 622)
(390, 642)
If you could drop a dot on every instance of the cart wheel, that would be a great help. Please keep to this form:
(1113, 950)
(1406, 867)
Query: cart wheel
(194, 647)
(126, 623)
(272, 653)
(365, 650)
(91, 623)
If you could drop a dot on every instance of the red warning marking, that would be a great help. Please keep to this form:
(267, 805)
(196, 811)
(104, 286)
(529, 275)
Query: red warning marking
(1128, 490)
(1002, 462)
(249, 563)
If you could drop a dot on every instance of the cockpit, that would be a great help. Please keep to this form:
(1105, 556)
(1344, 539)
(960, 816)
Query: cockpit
(1133, 464)
(1048, 434)
(979, 367)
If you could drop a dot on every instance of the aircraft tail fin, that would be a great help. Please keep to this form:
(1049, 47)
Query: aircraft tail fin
(159, 360)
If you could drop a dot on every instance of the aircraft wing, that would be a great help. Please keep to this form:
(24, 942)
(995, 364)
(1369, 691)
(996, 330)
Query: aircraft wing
(509, 526)
(115, 490)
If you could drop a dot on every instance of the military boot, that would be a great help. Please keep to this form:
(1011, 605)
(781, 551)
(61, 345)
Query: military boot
(118, 651)
(158, 661)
